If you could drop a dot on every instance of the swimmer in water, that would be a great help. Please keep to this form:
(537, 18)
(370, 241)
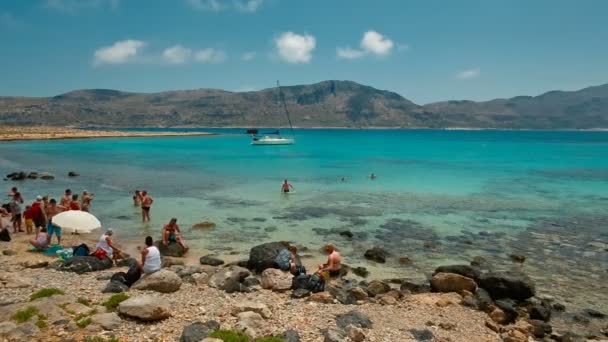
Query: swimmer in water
(286, 187)
(372, 176)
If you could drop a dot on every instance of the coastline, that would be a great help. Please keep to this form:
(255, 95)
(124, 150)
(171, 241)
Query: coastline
(22, 133)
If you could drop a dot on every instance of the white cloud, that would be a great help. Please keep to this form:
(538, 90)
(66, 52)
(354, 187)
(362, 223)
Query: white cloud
(349, 53)
(295, 48)
(468, 74)
(72, 6)
(118, 53)
(248, 56)
(177, 54)
(376, 43)
(248, 6)
(210, 55)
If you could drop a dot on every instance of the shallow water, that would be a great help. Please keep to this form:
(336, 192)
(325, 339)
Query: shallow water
(541, 194)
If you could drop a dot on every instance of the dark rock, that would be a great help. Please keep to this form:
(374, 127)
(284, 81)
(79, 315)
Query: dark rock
(290, 336)
(569, 337)
(84, 264)
(128, 262)
(540, 329)
(559, 307)
(483, 299)
(210, 260)
(47, 177)
(594, 313)
(300, 293)
(405, 260)
(354, 318)
(9, 252)
(508, 284)
(346, 233)
(508, 307)
(115, 287)
(172, 249)
(32, 175)
(463, 270)
(232, 286)
(517, 258)
(73, 174)
(17, 176)
(360, 271)
(251, 281)
(376, 287)
(480, 262)
(578, 318)
(414, 287)
(198, 331)
(376, 254)
(541, 312)
(300, 282)
(422, 334)
(263, 256)
(341, 294)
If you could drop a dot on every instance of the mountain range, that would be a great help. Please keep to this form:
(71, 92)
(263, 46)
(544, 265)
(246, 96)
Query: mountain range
(324, 104)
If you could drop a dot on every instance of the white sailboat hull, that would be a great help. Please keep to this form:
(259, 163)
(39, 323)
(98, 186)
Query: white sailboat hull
(272, 141)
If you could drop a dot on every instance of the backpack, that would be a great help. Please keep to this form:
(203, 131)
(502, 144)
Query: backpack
(316, 283)
(81, 250)
(5, 235)
(283, 260)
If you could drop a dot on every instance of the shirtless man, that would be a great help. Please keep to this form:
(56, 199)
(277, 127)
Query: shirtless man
(172, 233)
(146, 203)
(334, 261)
(286, 186)
(86, 200)
(51, 210)
(66, 198)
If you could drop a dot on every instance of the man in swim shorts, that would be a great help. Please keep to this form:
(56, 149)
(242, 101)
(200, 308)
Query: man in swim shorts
(51, 210)
(286, 186)
(172, 233)
(66, 198)
(334, 261)
(146, 203)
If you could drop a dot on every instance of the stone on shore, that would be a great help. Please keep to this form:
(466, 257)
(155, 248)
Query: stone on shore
(108, 321)
(115, 287)
(376, 254)
(145, 308)
(163, 281)
(11, 280)
(229, 279)
(172, 249)
(198, 331)
(376, 287)
(263, 256)
(451, 282)
(464, 270)
(210, 260)
(275, 279)
(508, 284)
(290, 336)
(251, 323)
(256, 307)
(354, 318)
(84, 264)
(334, 335)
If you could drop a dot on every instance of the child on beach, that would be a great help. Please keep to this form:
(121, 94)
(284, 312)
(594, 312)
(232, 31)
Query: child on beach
(28, 215)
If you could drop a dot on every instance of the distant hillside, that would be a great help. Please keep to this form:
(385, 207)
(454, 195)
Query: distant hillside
(324, 104)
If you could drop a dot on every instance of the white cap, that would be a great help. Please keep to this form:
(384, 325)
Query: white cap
(38, 198)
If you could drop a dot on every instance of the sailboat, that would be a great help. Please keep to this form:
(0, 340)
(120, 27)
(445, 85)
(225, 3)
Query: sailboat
(275, 138)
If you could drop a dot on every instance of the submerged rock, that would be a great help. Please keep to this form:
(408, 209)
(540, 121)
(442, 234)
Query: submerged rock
(204, 225)
(210, 260)
(463, 270)
(376, 254)
(508, 284)
(172, 249)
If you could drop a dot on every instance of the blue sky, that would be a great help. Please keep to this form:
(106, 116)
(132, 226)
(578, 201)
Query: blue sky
(427, 50)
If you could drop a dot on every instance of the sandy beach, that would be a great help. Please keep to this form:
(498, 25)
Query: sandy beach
(14, 133)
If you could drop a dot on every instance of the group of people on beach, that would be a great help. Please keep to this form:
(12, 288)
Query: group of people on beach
(143, 199)
(37, 217)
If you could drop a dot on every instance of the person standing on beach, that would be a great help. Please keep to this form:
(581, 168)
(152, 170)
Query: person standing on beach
(286, 186)
(86, 200)
(38, 214)
(146, 203)
(51, 210)
(172, 233)
(66, 198)
(16, 209)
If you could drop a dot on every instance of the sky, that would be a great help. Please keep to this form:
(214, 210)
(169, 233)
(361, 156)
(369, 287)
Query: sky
(425, 50)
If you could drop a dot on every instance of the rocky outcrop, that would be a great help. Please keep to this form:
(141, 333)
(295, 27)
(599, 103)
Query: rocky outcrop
(451, 282)
(377, 287)
(256, 307)
(163, 281)
(464, 270)
(376, 254)
(229, 279)
(508, 284)
(172, 249)
(354, 318)
(211, 260)
(84, 264)
(198, 331)
(275, 279)
(145, 308)
(263, 256)
(251, 323)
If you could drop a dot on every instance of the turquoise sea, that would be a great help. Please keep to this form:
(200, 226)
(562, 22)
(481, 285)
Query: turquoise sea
(440, 196)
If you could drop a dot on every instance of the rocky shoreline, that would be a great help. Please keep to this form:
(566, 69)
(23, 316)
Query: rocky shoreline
(14, 133)
(186, 302)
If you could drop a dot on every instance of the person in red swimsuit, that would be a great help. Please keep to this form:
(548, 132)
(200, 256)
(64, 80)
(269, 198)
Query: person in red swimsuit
(74, 204)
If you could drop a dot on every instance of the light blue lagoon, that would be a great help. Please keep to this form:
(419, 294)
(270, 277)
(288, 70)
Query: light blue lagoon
(440, 196)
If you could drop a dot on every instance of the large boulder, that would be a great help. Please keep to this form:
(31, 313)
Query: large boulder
(464, 270)
(84, 264)
(508, 284)
(377, 287)
(164, 281)
(198, 331)
(275, 279)
(145, 308)
(229, 279)
(262, 256)
(251, 323)
(354, 318)
(172, 249)
(452, 282)
(376, 254)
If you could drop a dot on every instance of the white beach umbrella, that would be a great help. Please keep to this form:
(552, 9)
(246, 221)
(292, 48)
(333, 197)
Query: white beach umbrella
(76, 221)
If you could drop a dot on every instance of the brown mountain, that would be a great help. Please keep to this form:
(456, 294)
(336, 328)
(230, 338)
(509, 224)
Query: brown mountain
(324, 104)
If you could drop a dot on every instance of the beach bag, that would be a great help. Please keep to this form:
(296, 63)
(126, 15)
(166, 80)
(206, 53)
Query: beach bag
(300, 270)
(5, 235)
(316, 283)
(100, 254)
(300, 282)
(81, 250)
(283, 260)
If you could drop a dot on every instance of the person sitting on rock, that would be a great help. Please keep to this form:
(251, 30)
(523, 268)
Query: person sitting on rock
(334, 260)
(172, 233)
(105, 247)
(150, 257)
(40, 242)
(286, 260)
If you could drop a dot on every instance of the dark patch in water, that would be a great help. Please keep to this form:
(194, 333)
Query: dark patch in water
(310, 212)
(588, 174)
(222, 203)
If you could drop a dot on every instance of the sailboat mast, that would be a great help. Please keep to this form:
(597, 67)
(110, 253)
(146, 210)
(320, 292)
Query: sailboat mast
(282, 99)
